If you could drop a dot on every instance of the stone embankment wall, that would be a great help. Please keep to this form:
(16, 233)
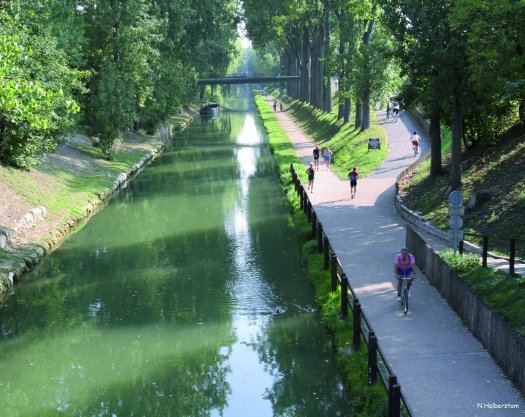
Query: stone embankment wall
(31, 255)
(502, 342)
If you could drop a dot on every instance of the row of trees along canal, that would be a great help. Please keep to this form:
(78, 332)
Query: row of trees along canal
(462, 62)
(107, 65)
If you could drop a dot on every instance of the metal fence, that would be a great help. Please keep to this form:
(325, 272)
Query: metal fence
(377, 364)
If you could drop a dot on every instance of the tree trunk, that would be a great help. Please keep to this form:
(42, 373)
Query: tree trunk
(346, 110)
(305, 76)
(328, 75)
(313, 71)
(290, 87)
(341, 82)
(320, 76)
(365, 123)
(366, 77)
(521, 111)
(358, 113)
(457, 127)
(435, 143)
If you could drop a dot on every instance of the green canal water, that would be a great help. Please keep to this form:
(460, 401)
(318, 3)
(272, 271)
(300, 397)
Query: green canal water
(185, 296)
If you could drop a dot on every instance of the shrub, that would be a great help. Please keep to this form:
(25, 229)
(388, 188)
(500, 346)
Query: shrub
(462, 264)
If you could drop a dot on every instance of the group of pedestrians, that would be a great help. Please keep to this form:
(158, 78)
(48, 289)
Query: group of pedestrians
(275, 106)
(353, 175)
(327, 154)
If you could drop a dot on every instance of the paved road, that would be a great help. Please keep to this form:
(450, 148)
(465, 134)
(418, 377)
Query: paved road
(443, 370)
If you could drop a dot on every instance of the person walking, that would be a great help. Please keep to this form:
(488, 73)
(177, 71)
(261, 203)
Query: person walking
(415, 140)
(353, 176)
(281, 106)
(275, 105)
(316, 157)
(328, 156)
(311, 175)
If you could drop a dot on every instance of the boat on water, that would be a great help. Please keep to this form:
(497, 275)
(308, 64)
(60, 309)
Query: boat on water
(210, 109)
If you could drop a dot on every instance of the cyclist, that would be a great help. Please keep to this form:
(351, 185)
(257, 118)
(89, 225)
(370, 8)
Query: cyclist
(395, 109)
(415, 139)
(404, 264)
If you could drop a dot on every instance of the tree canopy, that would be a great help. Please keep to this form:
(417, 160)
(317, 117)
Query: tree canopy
(460, 63)
(108, 65)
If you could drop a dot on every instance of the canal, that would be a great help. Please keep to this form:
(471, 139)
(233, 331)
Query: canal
(185, 296)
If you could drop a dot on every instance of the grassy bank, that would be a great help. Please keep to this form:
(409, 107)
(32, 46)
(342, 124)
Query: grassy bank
(348, 144)
(501, 292)
(366, 400)
(69, 183)
(498, 170)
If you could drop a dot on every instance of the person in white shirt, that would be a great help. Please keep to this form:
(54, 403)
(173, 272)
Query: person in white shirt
(415, 140)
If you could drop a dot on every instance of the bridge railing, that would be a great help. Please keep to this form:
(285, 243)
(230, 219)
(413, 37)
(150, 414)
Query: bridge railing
(248, 80)
(361, 327)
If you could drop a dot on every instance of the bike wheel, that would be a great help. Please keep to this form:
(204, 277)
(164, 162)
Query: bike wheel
(405, 300)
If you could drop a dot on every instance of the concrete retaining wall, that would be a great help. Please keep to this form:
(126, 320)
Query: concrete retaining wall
(502, 342)
(417, 115)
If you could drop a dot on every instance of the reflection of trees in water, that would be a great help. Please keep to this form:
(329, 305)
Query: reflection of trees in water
(296, 352)
(124, 331)
(149, 380)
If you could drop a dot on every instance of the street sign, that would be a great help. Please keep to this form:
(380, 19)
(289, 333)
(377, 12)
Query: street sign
(456, 210)
(374, 143)
(455, 198)
(455, 222)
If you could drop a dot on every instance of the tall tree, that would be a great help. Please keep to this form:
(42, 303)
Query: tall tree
(36, 86)
(433, 58)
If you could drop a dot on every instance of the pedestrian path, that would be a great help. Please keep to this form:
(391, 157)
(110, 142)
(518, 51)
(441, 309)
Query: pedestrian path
(442, 369)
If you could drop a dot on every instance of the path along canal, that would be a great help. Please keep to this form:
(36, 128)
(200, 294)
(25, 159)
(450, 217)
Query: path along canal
(185, 296)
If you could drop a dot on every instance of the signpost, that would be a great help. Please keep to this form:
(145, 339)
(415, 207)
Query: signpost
(374, 143)
(455, 221)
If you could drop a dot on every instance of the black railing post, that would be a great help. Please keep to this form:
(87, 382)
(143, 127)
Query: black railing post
(309, 211)
(461, 248)
(320, 239)
(344, 295)
(512, 256)
(372, 358)
(301, 196)
(334, 273)
(356, 330)
(326, 249)
(485, 250)
(314, 225)
(396, 400)
(306, 201)
(392, 381)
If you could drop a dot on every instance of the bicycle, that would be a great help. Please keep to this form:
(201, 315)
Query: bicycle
(405, 291)
(415, 148)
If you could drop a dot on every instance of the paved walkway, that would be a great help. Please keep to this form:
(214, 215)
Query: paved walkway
(443, 370)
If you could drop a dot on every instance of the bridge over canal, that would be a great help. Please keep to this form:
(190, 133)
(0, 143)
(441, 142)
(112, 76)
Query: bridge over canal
(248, 80)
